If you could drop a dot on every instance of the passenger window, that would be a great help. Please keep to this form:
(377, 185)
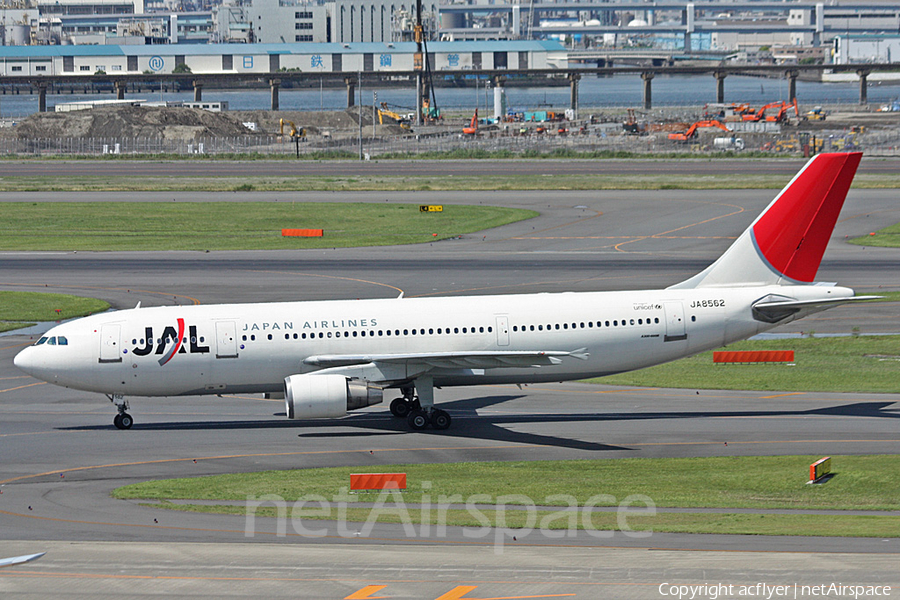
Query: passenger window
(632, 321)
(532, 327)
(329, 334)
(540, 327)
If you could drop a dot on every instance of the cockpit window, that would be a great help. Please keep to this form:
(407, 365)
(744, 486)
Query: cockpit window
(53, 341)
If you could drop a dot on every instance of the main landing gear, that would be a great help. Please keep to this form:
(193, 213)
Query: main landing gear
(419, 410)
(122, 420)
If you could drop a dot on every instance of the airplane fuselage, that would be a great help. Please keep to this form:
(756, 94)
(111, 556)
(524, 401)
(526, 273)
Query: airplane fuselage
(231, 348)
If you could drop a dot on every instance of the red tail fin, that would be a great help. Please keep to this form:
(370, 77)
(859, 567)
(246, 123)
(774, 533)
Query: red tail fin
(786, 242)
(793, 232)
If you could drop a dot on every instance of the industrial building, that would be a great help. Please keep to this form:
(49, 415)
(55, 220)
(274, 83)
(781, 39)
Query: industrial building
(368, 57)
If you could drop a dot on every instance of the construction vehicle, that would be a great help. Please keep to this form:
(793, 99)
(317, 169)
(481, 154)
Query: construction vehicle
(816, 114)
(295, 132)
(779, 117)
(427, 103)
(384, 111)
(728, 143)
(683, 136)
(631, 125)
(472, 129)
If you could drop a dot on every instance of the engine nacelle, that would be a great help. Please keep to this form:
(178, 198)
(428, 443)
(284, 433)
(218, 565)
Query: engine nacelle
(327, 396)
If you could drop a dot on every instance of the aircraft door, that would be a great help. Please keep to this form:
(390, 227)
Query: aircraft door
(674, 322)
(110, 343)
(226, 340)
(502, 330)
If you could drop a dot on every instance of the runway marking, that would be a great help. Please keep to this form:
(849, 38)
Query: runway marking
(387, 285)
(783, 395)
(366, 593)
(261, 455)
(16, 346)
(27, 385)
(459, 593)
(21, 574)
(598, 213)
(663, 234)
(17, 376)
(629, 237)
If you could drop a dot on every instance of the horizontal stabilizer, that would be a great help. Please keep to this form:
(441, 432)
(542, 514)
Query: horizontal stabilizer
(774, 311)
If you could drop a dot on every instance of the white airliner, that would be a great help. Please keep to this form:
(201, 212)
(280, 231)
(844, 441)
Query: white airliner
(329, 357)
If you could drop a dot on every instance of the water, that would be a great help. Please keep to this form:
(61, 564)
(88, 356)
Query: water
(594, 92)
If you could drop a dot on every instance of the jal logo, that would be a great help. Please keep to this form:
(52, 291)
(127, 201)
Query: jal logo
(171, 342)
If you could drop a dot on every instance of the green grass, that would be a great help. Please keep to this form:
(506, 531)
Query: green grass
(399, 182)
(862, 364)
(860, 483)
(889, 237)
(34, 306)
(7, 326)
(108, 226)
(718, 523)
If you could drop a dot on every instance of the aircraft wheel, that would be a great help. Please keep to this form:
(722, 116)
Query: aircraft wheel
(417, 420)
(440, 419)
(400, 408)
(123, 421)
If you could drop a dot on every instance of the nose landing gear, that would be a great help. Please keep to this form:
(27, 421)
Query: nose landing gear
(122, 420)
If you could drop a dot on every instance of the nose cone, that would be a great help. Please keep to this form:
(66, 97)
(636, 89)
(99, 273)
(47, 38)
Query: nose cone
(26, 361)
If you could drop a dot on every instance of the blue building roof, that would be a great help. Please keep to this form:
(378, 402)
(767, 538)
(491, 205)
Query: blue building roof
(45, 52)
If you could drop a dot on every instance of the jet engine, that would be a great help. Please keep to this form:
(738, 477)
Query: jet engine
(327, 396)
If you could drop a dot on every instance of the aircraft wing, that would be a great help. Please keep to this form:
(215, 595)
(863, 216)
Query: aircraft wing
(18, 560)
(779, 309)
(486, 359)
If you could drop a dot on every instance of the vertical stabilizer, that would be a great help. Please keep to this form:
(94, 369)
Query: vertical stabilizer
(786, 242)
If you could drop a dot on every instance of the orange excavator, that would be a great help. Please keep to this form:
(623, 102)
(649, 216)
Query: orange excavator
(472, 129)
(782, 107)
(683, 136)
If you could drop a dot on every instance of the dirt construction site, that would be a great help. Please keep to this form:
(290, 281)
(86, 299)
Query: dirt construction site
(149, 129)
